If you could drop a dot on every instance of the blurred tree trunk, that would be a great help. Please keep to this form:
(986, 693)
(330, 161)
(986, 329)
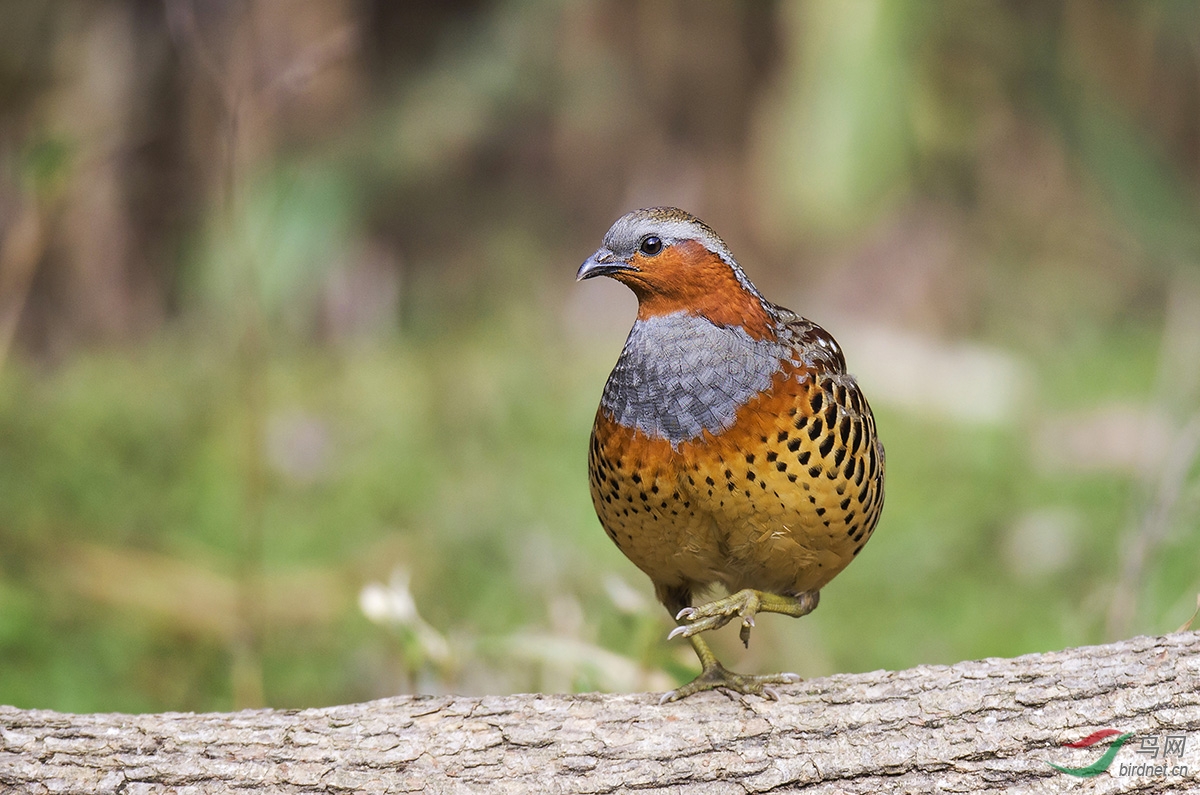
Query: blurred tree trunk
(990, 725)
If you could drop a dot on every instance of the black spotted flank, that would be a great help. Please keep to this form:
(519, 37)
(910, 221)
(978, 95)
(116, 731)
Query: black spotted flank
(844, 430)
(826, 445)
(856, 400)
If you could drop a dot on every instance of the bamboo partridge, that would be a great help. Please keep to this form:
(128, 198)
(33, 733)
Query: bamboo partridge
(730, 447)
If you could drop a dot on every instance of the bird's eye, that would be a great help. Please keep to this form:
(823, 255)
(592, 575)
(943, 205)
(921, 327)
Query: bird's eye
(651, 245)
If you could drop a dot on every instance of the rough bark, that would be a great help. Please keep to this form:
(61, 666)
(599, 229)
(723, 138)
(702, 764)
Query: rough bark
(988, 725)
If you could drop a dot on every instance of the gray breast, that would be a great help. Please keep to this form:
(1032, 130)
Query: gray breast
(680, 375)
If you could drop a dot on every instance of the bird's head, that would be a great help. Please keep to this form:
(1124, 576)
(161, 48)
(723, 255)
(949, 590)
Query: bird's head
(674, 262)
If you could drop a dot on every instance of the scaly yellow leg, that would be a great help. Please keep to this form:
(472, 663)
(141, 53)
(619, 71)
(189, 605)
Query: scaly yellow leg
(743, 604)
(714, 676)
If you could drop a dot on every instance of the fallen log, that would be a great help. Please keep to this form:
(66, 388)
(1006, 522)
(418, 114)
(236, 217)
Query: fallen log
(982, 726)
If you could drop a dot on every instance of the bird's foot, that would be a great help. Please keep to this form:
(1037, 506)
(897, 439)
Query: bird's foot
(719, 612)
(744, 604)
(718, 677)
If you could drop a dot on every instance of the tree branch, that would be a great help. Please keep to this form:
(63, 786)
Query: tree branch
(988, 725)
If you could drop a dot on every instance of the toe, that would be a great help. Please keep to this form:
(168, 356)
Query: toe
(719, 678)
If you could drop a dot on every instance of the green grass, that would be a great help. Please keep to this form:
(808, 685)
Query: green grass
(129, 504)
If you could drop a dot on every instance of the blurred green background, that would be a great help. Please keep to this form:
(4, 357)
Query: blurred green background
(295, 380)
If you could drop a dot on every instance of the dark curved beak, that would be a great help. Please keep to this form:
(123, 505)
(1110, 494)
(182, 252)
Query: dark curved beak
(602, 263)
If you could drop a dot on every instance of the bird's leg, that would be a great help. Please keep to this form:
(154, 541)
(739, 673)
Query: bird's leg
(744, 604)
(714, 676)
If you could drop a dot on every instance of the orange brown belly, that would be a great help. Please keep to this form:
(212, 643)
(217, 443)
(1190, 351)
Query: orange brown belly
(781, 501)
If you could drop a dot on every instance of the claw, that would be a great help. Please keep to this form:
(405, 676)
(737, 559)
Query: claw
(714, 615)
(744, 633)
(744, 604)
(717, 677)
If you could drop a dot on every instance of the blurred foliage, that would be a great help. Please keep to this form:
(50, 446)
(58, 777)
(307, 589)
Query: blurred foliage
(295, 385)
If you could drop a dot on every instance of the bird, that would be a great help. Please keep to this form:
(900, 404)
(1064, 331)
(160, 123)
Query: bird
(731, 447)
